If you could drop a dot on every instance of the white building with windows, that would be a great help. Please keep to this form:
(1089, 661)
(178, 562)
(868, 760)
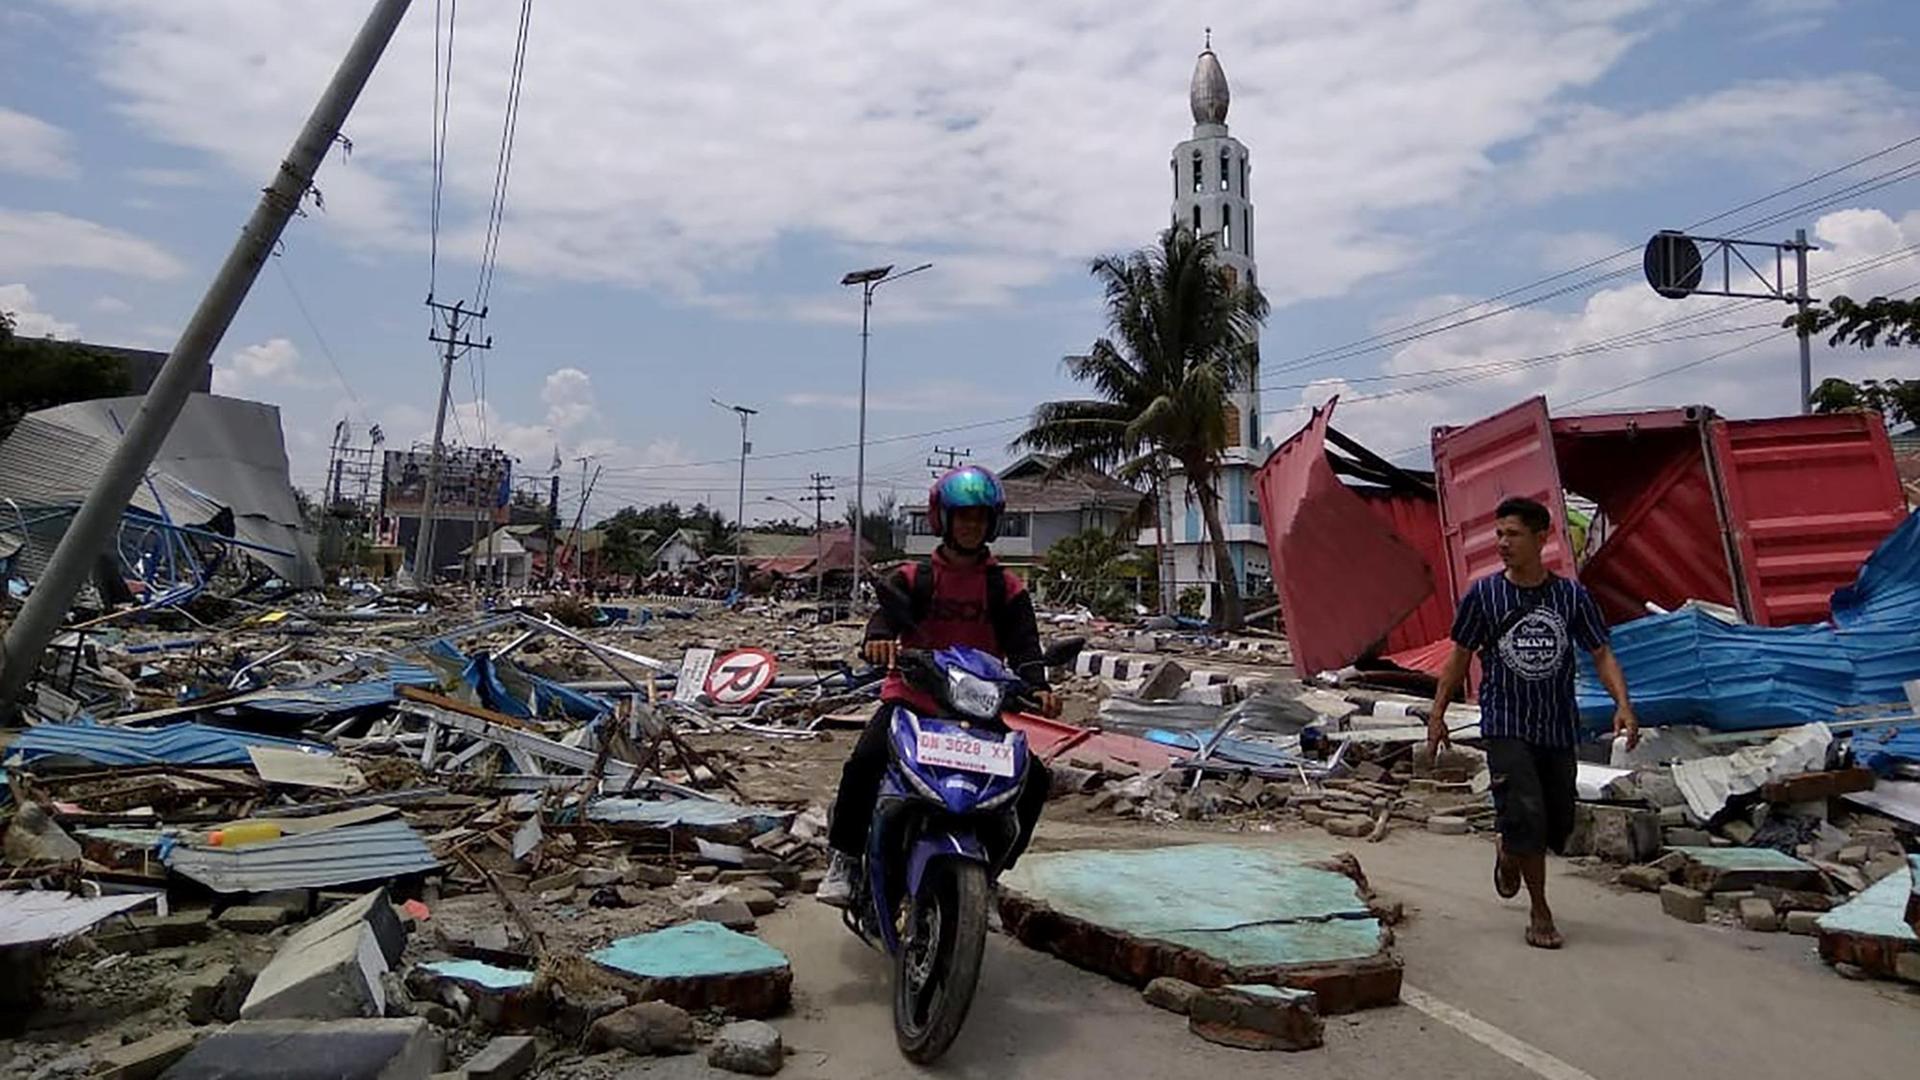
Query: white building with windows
(1212, 172)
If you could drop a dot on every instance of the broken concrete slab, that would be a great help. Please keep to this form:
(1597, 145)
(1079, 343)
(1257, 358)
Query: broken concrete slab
(1871, 932)
(1257, 1017)
(501, 997)
(1448, 825)
(371, 909)
(147, 932)
(728, 912)
(701, 965)
(145, 1059)
(335, 978)
(651, 1027)
(34, 837)
(752, 1047)
(252, 919)
(759, 901)
(1211, 914)
(366, 1049)
(1163, 682)
(507, 1057)
(1758, 914)
(215, 992)
(1645, 878)
(1618, 834)
(1716, 870)
(1804, 923)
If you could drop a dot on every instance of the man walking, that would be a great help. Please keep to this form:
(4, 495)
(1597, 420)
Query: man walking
(1524, 623)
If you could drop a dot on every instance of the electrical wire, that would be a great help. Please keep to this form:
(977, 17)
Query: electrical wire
(442, 102)
(503, 163)
(321, 339)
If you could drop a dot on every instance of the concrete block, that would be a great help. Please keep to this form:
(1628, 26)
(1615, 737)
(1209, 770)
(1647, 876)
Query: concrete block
(565, 879)
(1729, 901)
(1163, 682)
(145, 1059)
(729, 913)
(651, 875)
(1682, 903)
(146, 932)
(758, 901)
(1352, 825)
(1625, 834)
(214, 993)
(364, 1049)
(253, 919)
(1448, 825)
(505, 1058)
(335, 978)
(1685, 837)
(1805, 923)
(1757, 914)
(299, 904)
(752, 1047)
(1171, 994)
(1257, 1017)
(371, 909)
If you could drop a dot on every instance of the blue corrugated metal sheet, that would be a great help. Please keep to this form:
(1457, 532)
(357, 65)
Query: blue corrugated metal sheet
(175, 744)
(343, 856)
(1687, 667)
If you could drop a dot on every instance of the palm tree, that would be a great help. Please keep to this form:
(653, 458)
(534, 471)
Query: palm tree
(1183, 337)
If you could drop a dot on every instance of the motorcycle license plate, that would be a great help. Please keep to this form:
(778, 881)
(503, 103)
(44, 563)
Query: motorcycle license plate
(952, 750)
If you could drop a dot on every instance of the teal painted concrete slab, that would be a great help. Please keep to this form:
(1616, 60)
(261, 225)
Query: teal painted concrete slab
(1880, 910)
(1744, 860)
(690, 950)
(1248, 907)
(480, 973)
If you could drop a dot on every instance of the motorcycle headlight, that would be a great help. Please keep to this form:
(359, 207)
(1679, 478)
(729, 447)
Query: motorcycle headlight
(973, 696)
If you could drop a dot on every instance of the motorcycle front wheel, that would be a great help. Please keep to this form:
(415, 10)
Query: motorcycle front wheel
(938, 964)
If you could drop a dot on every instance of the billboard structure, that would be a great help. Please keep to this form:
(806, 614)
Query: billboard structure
(474, 482)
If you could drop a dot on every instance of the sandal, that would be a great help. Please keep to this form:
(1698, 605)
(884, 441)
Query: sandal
(1506, 879)
(1548, 938)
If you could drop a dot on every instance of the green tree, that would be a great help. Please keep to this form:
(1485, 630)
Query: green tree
(1898, 400)
(1183, 333)
(1879, 321)
(1102, 570)
(39, 374)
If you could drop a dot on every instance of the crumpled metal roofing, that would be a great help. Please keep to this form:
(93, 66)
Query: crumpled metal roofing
(222, 452)
(31, 917)
(342, 856)
(1688, 667)
(174, 744)
(683, 813)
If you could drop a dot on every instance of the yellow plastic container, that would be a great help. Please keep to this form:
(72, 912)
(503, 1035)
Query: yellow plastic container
(246, 832)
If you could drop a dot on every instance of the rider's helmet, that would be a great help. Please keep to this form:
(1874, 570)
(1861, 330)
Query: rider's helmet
(969, 485)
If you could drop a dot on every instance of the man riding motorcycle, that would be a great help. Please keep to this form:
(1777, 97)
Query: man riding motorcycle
(960, 596)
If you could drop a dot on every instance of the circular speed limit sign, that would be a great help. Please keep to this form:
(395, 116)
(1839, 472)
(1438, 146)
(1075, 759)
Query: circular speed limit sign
(739, 677)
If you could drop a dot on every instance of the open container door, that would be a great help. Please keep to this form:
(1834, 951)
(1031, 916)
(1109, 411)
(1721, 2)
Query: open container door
(1475, 467)
(1345, 578)
(1809, 498)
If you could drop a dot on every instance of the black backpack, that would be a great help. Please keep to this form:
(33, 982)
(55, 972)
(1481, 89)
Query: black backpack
(922, 597)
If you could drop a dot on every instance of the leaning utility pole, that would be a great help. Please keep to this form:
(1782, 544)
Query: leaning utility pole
(87, 534)
(818, 493)
(458, 341)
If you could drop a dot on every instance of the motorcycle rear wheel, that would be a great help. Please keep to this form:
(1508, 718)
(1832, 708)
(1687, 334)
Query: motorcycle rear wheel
(938, 965)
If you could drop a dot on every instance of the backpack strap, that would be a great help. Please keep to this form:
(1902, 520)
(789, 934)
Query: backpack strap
(922, 590)
(997, 597)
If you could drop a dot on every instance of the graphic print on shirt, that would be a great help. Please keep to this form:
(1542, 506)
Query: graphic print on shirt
(1536, 644)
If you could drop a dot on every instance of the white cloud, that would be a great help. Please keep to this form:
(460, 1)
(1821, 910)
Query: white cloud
(1397, 412)
(45, 240)
(569, 397)
(33, 147)
(111, 305)
(29, 321)
(1005, 141)
(270, 366)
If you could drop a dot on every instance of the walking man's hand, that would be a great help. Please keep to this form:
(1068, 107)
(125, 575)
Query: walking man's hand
(1625, 723)
(1437, 735)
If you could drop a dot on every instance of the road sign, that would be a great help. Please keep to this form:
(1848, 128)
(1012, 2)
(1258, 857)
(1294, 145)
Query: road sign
(740, 676)
(693, 674)
(1673, 264)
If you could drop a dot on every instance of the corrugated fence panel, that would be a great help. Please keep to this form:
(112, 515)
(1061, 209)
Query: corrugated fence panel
(1666, 547)
(1417, 521)
(1475, 467)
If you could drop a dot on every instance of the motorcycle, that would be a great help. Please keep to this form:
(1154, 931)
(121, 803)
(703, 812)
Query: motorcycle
(942, 830)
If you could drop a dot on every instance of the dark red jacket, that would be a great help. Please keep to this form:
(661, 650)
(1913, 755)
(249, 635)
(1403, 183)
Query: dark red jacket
(957, 614)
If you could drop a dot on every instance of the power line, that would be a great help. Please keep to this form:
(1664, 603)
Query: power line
(1374, 342)
(442, 102)
(320, 339)
(503, 163)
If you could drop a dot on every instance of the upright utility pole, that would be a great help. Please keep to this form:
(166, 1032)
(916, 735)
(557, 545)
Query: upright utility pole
(868, 280)
(553, 518)
(740, 507)
(946, 459)
(1801, 299)
(579, 519)
(457, 339)
(1678, 266)
(819, 492)
(87, 534)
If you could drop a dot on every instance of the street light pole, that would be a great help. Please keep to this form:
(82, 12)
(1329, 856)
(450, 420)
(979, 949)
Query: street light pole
(869, 280)
(740, 507)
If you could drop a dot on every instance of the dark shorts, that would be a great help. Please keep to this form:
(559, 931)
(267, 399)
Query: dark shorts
(1533, 794)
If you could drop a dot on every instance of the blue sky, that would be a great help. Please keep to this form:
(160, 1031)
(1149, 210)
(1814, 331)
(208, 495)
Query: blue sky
(691, 180)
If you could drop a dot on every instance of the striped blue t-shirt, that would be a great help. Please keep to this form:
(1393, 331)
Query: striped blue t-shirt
(1526, 638)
